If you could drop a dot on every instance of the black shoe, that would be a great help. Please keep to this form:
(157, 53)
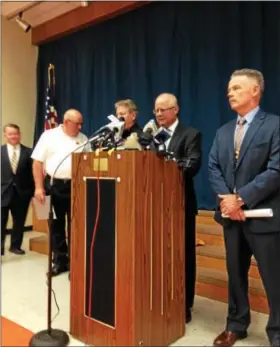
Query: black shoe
(188, 316)
(58, 269)
(17, 251)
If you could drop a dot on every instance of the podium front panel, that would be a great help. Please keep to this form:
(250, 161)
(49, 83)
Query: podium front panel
(100, 250)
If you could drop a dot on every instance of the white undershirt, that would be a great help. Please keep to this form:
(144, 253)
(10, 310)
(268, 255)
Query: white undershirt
(171, 131)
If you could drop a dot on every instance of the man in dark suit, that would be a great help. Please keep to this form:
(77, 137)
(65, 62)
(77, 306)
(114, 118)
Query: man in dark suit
(185, 144)
(17, 186)
(127, 109)
(244, 168)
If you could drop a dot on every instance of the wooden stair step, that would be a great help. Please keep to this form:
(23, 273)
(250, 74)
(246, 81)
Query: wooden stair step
(206, 213)
(209, 229)
(220, 278)
(216, 252)
(211, 239)
(39, 244)
(213, 284)
(213, 257)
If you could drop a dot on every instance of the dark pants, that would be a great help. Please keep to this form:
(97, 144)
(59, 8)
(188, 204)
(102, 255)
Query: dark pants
(61, 201)
(190, 259)
(61, 248)
(19, 208)
(241, 244)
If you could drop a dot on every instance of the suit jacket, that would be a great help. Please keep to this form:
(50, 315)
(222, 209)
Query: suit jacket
(256, 175)
(186, 146)
(22, 181)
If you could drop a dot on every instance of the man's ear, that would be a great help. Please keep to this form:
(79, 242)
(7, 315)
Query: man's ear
(134, 116)
(256, 90)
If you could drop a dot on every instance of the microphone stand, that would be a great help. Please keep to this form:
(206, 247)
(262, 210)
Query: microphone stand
(50, 337)
(53, 337)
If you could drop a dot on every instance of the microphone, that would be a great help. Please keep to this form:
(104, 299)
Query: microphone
(146, 138)
(161, 136)
(151, 127)
(116, 124)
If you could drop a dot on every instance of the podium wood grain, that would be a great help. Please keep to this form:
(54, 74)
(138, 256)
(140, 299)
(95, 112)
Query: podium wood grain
(149, 271)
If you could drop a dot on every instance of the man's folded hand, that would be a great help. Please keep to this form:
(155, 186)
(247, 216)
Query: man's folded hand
(231, 206)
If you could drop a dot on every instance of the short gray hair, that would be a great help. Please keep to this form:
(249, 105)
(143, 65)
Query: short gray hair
(254, 74)
(130, 104)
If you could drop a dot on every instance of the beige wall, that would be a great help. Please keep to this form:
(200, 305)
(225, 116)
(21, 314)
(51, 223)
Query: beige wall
(19, 60)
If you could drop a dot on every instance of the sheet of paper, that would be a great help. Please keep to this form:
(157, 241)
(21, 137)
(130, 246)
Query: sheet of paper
(258, 213)
(42, 210)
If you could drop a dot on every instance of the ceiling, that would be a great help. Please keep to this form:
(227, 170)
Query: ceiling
(37, 12)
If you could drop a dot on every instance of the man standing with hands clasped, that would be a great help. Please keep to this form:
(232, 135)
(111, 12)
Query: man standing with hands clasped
(244, 169)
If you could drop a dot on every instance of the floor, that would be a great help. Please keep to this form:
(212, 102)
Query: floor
(24, 301)
(13, 334)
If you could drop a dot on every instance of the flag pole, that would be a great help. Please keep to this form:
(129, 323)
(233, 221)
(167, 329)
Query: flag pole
(50, 337)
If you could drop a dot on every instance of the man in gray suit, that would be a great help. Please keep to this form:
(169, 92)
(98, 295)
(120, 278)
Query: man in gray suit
(244, 169)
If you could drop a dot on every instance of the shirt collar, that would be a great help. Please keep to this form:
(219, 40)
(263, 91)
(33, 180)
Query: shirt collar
(250, 115)
(173, 126)
(12, 147)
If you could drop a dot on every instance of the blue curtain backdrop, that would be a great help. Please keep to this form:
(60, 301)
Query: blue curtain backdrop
(186, 48)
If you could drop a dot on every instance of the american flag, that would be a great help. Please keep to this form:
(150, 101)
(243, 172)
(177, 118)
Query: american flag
(51, 119)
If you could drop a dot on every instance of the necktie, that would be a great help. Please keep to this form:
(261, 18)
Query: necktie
(14, 161)
(238, 137)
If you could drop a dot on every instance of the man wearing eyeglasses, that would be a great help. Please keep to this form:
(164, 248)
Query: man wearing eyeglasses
(185, 144)
(49, 157)
(127, 109)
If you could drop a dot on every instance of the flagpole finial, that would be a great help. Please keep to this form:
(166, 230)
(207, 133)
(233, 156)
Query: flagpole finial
(51, 76)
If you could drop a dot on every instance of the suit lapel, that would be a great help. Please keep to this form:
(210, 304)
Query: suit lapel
(175, 138)
(6, 158)
(250, 133)
(230, 141)
(21, 156)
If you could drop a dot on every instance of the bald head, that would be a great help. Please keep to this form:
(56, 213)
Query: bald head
(72, 114)
(169, 99)
(72, 122)
(166, 109)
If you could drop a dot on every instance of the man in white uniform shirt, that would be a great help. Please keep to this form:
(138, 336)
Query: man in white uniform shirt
(49, 154)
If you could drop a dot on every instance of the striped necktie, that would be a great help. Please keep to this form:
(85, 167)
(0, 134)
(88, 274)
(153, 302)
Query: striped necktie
(239, 137)
(14, 160)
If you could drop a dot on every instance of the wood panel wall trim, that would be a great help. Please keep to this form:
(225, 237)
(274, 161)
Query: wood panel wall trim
(80, 18)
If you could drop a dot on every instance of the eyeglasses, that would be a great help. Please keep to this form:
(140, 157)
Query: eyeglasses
(162, 110)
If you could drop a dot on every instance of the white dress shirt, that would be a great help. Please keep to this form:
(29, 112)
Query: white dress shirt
(171, 131)
(53, 146)
(249, 119)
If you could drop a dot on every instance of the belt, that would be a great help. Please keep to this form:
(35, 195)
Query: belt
(64, 180)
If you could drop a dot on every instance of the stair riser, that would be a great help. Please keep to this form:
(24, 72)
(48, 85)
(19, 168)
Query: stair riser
(258, 303)
(41, 247)
(220, 264)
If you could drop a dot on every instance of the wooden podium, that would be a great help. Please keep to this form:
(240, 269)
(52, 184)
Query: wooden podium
(135, 295)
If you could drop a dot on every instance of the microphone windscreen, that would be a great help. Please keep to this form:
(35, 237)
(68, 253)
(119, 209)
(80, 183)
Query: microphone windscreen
(151, 126)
